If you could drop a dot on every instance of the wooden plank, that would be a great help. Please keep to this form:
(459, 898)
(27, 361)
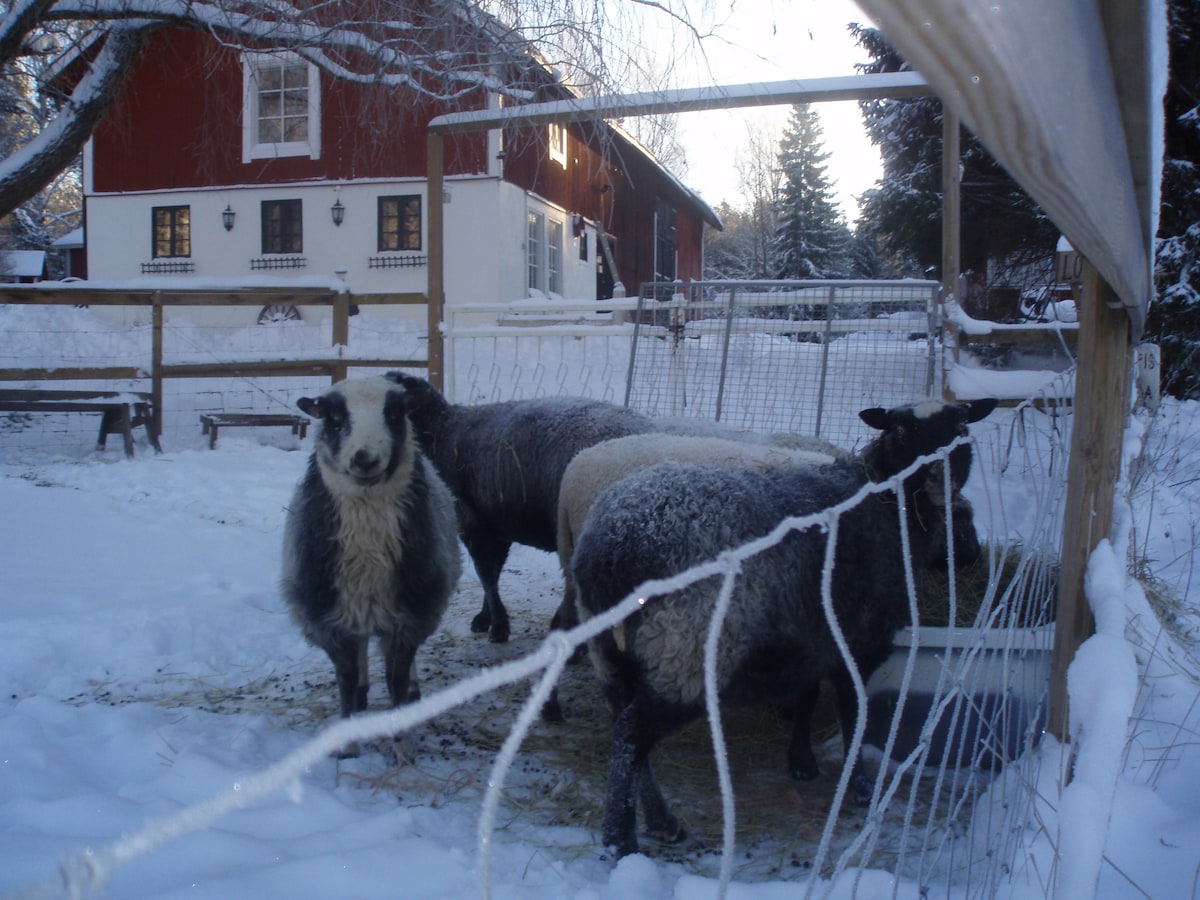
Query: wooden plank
(282, 368)
(1101, 403)
(406, 299)
(99, 373)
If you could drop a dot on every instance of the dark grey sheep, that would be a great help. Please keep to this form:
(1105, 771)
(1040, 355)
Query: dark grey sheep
(370, 539)
(776, 644)
(504, 463)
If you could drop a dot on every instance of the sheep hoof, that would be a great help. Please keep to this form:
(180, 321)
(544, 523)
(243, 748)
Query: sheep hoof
(498, 633)
(481, 623)
(619, 848)
(350, 751)
(668, 831)
(552, 709)
(806, 771)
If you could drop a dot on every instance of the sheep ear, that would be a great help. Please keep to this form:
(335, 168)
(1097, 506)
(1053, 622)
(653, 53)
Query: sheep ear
(393, 377)
(312, 406)
(978, 409)
(875, 417)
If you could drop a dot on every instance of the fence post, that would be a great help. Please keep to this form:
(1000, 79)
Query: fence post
(829, 313)
(341, 333)
(1102, 383)
(725, 351)
(436, 291)
(156, 361)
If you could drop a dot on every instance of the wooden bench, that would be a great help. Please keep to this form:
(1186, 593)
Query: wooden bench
(211, 422)
(122, 411)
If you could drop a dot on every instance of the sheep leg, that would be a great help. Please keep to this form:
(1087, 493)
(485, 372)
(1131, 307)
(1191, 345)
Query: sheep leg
(344, 652)
(620, 810)
(859, 786)
(489, 556)
(630, 780)
(399, 666)
(660, 822)
(802, 762)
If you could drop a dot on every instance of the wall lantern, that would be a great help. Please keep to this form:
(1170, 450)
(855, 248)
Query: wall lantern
(338, 212)
(227, 215)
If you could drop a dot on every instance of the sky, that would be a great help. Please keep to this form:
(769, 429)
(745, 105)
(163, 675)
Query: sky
(777, 40)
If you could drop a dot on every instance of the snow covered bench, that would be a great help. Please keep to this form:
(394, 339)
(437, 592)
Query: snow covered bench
(122, 411)
(212, 422)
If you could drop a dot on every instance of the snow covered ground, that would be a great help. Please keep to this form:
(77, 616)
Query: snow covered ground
(148, 665)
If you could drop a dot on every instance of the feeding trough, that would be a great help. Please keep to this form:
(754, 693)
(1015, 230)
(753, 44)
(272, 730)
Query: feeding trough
(982, 693)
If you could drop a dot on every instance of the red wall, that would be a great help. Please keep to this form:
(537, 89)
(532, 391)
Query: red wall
(178, 124)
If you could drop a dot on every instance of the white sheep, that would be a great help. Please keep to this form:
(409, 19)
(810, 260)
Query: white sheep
(370, 539)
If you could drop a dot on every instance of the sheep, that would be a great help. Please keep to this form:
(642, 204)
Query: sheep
(776, 643)
(595, 468)
(370, 540)
(504, 462)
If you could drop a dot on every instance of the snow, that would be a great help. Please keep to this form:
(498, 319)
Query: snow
(140, 596)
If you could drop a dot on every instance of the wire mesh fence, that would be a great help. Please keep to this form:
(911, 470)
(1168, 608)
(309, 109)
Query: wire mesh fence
(952, 717)
(784, 356)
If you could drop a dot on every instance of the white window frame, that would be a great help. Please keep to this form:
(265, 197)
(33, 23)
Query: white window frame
(252, 148)
(544, 249)
(535, 245)
(554, 256)
(556, 139)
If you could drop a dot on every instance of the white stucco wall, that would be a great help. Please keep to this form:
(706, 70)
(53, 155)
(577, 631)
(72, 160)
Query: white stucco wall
(485, 221)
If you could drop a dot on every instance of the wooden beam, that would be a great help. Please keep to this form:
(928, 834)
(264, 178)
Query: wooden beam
(951, 214)
(107, 373)
(436, 292)
(646, 103)
(1102, 385)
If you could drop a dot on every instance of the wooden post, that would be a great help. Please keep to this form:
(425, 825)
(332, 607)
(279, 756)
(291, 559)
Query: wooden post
(1102, 384)
(951, 226)
(156, 362)
(437, 285)
(341, 333)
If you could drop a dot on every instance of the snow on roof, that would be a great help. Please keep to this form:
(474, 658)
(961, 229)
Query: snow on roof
(23, 263)
(73, 238)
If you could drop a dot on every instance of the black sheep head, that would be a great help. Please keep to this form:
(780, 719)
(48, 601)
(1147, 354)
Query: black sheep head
(910, 432)
(427, 408)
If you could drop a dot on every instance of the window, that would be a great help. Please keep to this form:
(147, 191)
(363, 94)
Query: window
(172, 227)
(554, 242)
(282, 227)
(282, 107)
(557, 138)
(400, 223)
(533, 247)
(544, 253)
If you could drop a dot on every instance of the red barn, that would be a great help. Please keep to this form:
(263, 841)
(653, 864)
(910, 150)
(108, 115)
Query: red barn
(218, 163)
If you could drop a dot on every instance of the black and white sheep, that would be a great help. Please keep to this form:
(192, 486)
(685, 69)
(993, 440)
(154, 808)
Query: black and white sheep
(775, 644)
(504, 463)
(370, 539)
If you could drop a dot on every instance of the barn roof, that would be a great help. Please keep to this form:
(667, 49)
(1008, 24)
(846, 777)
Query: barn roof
(1067, 95)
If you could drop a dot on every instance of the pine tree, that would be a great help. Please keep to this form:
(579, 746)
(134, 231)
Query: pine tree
(904, 209)
(1174, 320)
(812, 240)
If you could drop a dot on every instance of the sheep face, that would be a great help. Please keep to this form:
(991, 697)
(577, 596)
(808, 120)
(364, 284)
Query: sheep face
(910, 432)
(364, 439)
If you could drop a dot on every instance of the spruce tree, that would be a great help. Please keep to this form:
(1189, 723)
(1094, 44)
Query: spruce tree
(811, 240)
(1174, 319)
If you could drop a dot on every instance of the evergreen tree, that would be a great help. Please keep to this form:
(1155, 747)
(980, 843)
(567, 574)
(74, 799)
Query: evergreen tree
(904, 209)
(811, 239)
(1174, 319)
